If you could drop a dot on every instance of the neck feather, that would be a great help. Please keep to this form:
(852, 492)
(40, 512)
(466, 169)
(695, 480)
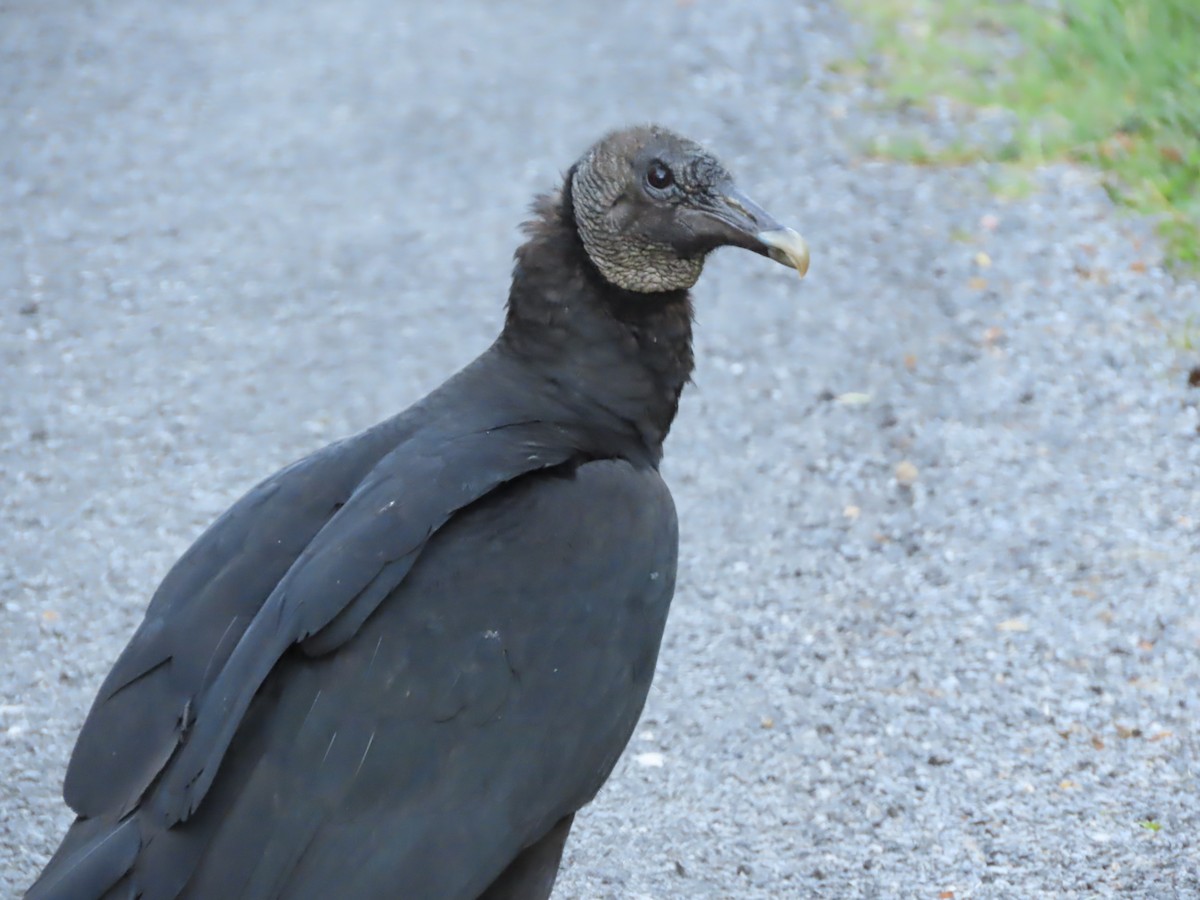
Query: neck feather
(610, 354)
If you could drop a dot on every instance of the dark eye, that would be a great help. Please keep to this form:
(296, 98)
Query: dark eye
(659, 176)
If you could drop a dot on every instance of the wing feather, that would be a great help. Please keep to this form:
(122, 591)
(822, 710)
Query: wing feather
(356, 560)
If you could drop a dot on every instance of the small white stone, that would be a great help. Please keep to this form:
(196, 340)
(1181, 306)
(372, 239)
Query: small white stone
(650, 760)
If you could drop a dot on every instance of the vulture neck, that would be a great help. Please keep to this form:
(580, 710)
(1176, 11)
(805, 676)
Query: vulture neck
(606, 354)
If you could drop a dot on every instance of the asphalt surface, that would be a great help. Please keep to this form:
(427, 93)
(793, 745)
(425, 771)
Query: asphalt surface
(936, 627)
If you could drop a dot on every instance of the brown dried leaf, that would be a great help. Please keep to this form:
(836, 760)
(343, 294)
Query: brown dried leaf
(906, 473)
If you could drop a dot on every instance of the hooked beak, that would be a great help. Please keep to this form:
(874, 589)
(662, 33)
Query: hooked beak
(740, 222)
(788, 247)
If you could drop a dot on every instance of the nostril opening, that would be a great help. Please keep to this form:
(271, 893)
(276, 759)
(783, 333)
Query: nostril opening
(745, 212)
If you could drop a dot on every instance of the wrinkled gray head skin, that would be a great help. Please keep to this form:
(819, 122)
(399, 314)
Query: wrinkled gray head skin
(650, 205)
(624, 226)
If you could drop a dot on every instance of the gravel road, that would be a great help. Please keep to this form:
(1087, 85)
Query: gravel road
(937, 631)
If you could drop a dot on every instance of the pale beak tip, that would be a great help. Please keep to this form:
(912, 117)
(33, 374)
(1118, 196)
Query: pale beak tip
(786, 247)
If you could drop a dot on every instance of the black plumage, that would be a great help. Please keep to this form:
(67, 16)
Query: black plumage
(399, 666)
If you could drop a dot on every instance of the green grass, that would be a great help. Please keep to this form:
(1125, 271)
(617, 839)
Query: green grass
(1115, 83)
(1187, 336)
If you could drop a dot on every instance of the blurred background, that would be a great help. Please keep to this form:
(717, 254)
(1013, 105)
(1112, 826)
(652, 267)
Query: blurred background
(936, 632)
(1112, 83)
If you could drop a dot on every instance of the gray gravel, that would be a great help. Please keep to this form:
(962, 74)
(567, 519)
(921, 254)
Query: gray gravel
(936, 628)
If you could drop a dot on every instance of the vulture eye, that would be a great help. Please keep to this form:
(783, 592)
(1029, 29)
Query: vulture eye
(659, 176)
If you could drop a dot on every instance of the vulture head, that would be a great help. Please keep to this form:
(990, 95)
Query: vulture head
(649, 205)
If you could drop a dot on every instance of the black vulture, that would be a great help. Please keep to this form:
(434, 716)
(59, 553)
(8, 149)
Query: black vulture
(399, 666)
